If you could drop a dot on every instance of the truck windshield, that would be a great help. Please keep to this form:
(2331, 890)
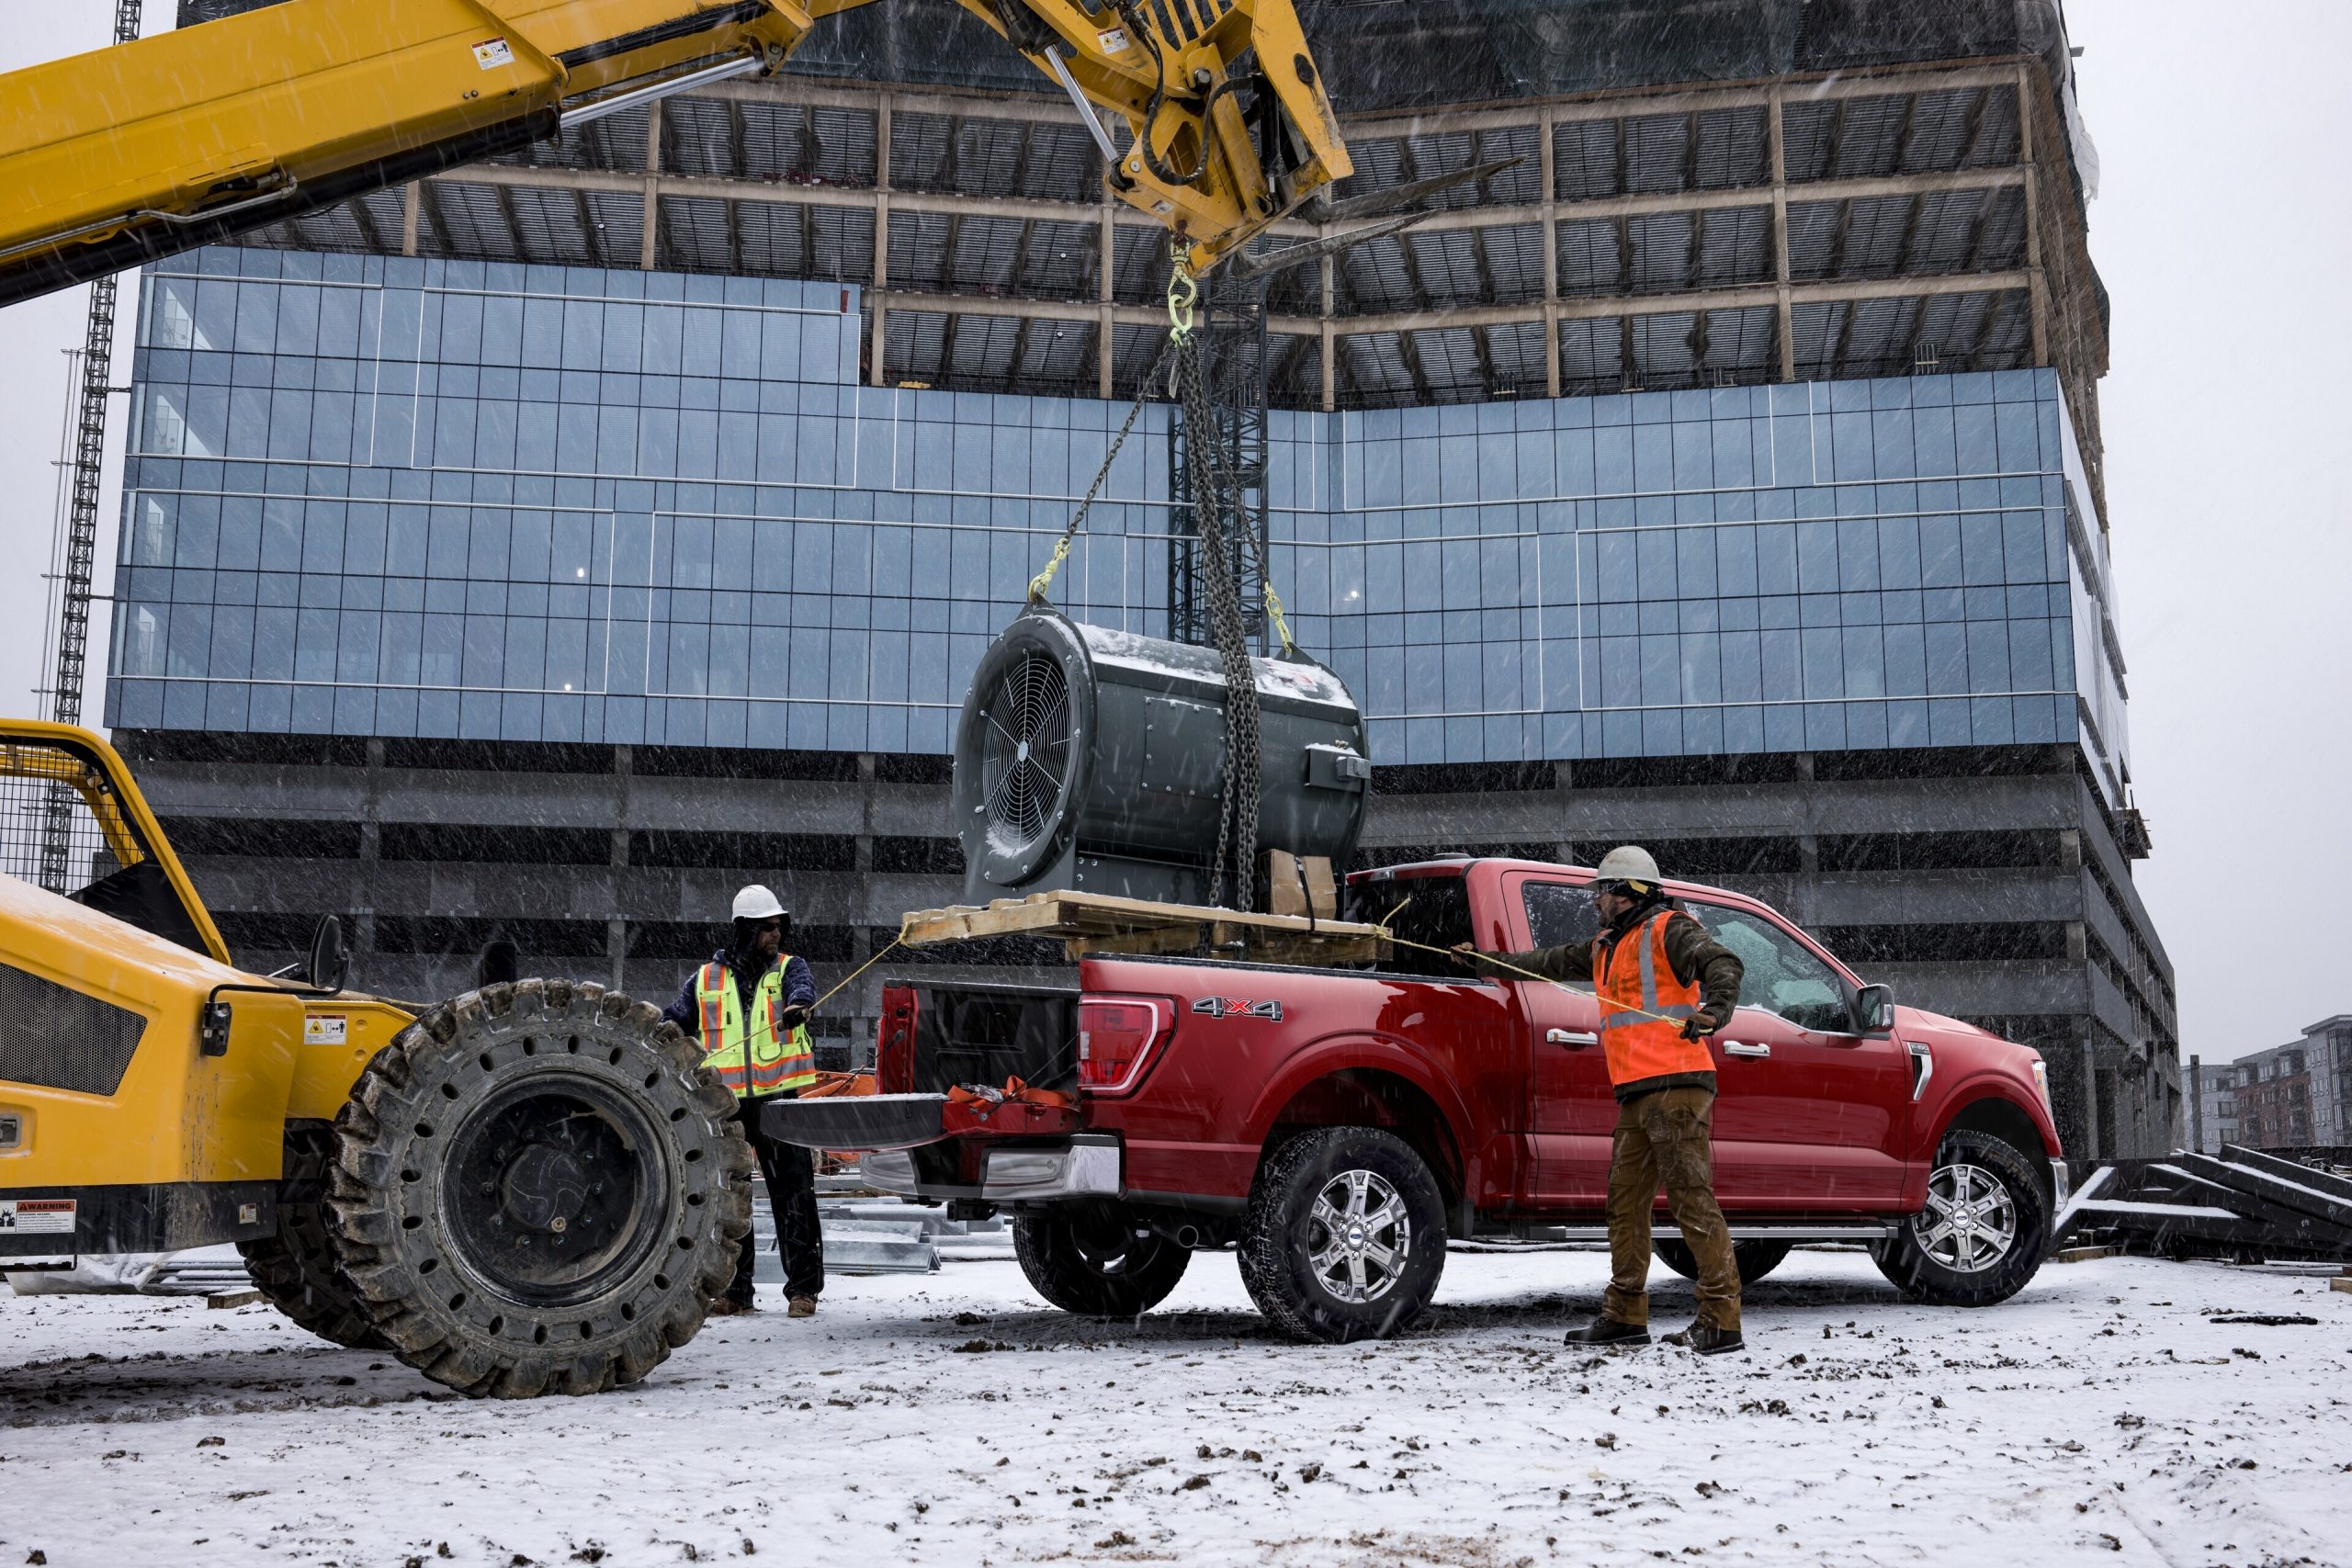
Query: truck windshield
(1436, 913)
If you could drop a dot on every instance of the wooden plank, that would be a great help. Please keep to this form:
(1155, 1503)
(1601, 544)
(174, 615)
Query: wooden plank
(1099, 914)
(223, 1300)
(2085, 1254)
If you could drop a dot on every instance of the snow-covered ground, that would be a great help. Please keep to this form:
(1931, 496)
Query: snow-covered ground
(2101, 1416)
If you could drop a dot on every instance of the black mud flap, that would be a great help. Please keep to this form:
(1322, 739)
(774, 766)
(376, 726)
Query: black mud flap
(857, 1122)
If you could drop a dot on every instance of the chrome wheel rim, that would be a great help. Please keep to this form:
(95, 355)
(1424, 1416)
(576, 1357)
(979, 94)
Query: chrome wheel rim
(1358, 1236)
(1970, 1222)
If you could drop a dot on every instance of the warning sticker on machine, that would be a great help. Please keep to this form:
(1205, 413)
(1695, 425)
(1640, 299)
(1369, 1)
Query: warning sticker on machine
(52, 1216)
(325, 1029)
(489, 56)
(1113, 40)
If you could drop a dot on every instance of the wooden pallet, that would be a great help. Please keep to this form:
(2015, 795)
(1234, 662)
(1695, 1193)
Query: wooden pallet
(1098, 922)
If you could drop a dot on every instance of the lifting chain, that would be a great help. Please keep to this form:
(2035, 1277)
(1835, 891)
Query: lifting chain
(1213, 488)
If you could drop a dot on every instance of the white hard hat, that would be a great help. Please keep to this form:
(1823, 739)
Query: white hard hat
(756, 903)
(1628, 862)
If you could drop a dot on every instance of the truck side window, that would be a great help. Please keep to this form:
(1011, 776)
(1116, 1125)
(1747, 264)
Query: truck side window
(1560, 913)
(1781, 977)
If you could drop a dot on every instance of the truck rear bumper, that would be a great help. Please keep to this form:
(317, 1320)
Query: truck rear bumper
(905, 1121)
(1088, 1166)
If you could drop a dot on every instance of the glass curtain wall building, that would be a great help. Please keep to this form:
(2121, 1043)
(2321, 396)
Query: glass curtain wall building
(537, 552)
(391, 497)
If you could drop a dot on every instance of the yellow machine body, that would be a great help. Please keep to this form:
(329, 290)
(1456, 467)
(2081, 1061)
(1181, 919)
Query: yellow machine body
(128, 154)
(145, 1082)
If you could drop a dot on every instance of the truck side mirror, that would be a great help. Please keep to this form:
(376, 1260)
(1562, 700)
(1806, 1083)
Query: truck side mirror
(329, 962)
(1874, 1009)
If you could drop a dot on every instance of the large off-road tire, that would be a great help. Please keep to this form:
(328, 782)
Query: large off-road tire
(1985, 1229)
(297, 1269)
(1345, 1235)
(538, 1188)
(1087, 1258)
(1755, 1258)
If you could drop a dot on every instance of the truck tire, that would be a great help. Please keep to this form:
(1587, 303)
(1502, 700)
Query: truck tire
(1345, 1236)
(296, 1269)
(1756, 1259)
(1087, 1258)
(1984, 1232)
(538, 1188)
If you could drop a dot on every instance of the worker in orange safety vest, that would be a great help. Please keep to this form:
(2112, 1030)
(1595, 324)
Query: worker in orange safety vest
(1664, 985)
(749, 1006)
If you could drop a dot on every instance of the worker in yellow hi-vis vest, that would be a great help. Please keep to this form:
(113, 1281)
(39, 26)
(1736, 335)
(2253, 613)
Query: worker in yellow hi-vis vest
(749, 1006)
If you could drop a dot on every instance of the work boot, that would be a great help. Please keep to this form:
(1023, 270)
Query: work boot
(1707, 1339)
(1608, 1331)
(730, 1307)
(801, 1306)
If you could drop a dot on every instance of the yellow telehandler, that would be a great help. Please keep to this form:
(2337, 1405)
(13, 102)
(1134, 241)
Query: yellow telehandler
(535, 1187)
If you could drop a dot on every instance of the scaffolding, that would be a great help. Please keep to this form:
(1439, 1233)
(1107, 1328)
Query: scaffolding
(77, 558)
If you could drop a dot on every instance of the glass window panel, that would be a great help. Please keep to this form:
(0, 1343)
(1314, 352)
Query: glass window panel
(1779, 974)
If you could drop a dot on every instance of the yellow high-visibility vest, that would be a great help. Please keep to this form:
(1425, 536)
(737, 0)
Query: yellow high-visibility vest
(763, 1058)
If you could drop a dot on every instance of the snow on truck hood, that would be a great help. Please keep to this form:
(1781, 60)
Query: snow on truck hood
(1176, 662)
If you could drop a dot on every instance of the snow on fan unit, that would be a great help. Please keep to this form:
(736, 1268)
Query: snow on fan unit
(1093, 760)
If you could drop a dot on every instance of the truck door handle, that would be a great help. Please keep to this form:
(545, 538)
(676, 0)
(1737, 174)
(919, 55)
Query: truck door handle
(1570, 1037)
(1736, 1048)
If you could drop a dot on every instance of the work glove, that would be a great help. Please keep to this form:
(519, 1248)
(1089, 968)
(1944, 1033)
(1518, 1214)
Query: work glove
(1698, 1025)
(792, 1018)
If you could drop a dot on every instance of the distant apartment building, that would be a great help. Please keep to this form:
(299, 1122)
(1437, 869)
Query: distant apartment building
(2296, 1096)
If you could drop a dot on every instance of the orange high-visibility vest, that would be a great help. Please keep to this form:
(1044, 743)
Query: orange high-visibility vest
(764, 1056)
(1634, 972)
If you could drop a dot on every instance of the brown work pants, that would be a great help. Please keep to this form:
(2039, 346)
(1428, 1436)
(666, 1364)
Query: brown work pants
(1663, 1137)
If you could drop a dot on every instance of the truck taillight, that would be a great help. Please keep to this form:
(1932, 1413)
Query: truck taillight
(894, 1042)
(1115, 1035)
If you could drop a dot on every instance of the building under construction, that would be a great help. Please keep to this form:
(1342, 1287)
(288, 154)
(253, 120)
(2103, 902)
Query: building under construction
(535, 553)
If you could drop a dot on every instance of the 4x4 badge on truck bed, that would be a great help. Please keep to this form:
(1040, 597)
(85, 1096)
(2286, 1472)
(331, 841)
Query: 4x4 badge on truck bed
(1233, 1006)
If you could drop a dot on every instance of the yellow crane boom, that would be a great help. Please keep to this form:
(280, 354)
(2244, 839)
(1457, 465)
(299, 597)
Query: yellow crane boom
(128, 154)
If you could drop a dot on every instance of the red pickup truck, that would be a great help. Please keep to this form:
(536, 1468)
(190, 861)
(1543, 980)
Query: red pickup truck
(1336, 1126)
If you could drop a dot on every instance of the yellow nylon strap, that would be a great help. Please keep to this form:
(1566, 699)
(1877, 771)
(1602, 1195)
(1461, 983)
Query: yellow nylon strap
(1274, 608)
(1045, 579)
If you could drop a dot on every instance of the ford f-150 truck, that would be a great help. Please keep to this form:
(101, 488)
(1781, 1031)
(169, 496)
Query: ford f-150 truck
(1336, 1126)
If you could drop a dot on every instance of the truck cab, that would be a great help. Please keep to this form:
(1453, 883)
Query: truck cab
(1176, 1103)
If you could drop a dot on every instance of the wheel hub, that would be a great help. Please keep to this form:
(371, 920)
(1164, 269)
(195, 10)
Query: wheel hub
(1970, 1222)
(550, 1189)
(545, 1189)
(1359, 1237)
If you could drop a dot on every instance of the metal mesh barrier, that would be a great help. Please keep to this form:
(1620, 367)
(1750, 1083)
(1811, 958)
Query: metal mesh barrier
(52, 831)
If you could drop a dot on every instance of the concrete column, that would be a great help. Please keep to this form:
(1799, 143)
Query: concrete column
(646, 243)
(1330, 332)
(411, 197)
(2196, 1104)
(1775, 140)
(2039, 284)
(2090, 1101)
(1551, 203)
(616, 920)
(371, 839)
(881, 231)
(1105, 294)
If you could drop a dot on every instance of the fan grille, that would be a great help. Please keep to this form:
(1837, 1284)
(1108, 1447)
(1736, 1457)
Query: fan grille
(1025, 751)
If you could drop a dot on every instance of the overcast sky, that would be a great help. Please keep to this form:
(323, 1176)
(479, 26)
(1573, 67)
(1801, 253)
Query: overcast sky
(2223, 235)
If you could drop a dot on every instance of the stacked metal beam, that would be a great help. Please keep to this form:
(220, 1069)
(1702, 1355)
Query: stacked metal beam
(2244, 1205)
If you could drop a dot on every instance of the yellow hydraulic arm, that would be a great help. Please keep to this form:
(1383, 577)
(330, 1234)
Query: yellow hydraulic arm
(149, 148)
